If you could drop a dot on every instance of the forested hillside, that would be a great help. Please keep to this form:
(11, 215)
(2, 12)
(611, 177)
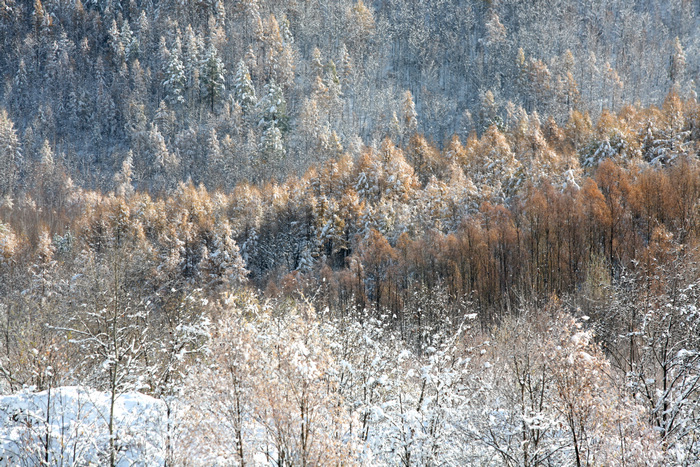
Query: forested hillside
(224, 91)
(327, 232)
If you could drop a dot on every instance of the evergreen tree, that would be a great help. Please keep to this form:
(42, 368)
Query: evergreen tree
(316, 62)
(41, 19)
(215, 160)
(123, 178)
(175, 80)
(116, 43)
(130, 42)
(488, 111)
(272, 144)
(677, 63)
(410, 116)
(244, 89)
(272, 108)
(192, 59)
(212, 76)
(9, 155)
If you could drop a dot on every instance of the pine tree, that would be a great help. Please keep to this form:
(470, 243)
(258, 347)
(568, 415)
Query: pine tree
(273, 108)
(159, 164)
(143, 27)
(226, 264)
(488, 110)
(410, 116)
(192, 59)
(175, 80)
(123, 178)
(129, 42)
(212, 76)
(9, 155)
(273, 120)
(615, 84)
(41, 19)
(214, 161)
(116, 43)
(677, 63)
(272, 144)
(20, 86)
(331, 79)
(244, 89)
(164, 118)
(316, 61)
(309, 125)
(328, 94)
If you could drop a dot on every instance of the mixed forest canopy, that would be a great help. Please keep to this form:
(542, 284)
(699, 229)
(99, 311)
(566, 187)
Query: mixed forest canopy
(383, 233)
(221, 92)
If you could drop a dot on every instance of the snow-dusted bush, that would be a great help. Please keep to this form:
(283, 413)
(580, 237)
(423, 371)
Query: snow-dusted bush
(69, 426)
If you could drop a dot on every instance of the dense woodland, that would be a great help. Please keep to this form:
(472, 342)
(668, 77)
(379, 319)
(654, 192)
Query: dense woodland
(336, 233)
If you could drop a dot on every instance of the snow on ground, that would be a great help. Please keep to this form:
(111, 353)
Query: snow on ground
(77, 426)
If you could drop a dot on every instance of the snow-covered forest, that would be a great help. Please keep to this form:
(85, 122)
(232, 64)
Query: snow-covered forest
(312, 232)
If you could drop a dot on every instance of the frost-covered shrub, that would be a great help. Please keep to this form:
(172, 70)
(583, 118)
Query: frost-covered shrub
(69, 426)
